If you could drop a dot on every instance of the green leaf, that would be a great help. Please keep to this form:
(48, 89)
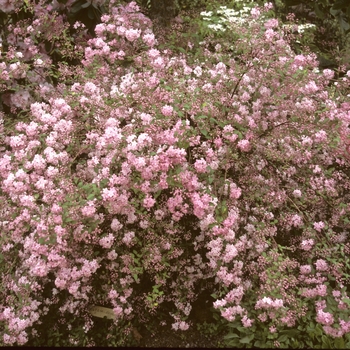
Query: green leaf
(204, 132)
(340, 4)
(346, 301)
(344, 24)
(260, 344)
(157, 194)
(41, 240)
(283, 338)
(213, 120)
(247, 339)
(84, 6)
(77, 6)
(231, 336)
(318, 330)
(310, 344)
(290, 332)
(293, 2)
(339, 343)
(326, 343)
(318, 11)
(91, 13)
(90, 196)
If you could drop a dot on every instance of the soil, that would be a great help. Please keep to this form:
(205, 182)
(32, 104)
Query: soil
(168, 338)
(203, 331)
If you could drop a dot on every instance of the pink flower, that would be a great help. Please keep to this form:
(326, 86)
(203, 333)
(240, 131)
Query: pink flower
(247, 322)
(200, 165)
(324, 318)
(318, 226)
(269, 34)
(107, 242)
(112, 255)
(310, 88)
(336, 293)
(148, 202)
(121, 30)
(132, 34)
(197, 71)
(235, 295)
(219, 303)
(230, 253)
(345, 326)
(305, 269)
(268, 303)
(118, 311)
(271, 23)
(88, 210)
(158, 63)
(153, 53)
(321, 265)
(128, 237)
(263, 317)
(167, 111)
(7, 6)
(159, 214)
(307, 244)
(321, 136)
(116, 225)
(235, 192)
(321, 290)
(149, 39)
(273, 329)
(328, 73)
(183, 326)
(297, 193)
(220, 68)
(90, 88)
(228, 313)
(146, 118)
(244, 145)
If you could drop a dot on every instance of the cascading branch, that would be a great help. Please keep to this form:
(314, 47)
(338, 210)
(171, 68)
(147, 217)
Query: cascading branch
(149, 174)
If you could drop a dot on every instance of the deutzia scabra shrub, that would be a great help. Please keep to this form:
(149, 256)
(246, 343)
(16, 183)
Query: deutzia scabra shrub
(145, 177)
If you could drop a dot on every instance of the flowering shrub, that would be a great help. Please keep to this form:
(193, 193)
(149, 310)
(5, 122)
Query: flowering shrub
(143, 175)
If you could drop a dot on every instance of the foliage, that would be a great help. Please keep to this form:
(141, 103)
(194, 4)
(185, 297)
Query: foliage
(143, 177)
(169, 8)
(332, 18)
(87, 12)
(339, 9)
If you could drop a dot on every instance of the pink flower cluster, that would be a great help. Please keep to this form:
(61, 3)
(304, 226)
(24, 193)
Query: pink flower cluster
(268, 303)
(219, 171)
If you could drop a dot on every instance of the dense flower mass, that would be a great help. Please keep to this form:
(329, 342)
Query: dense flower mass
(136, 185)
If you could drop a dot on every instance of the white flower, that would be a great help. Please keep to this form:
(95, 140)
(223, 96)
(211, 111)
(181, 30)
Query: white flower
(206, 14)
(38, 62)
(197, 71)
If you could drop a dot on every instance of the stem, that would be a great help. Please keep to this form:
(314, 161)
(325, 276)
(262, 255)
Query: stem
(270, 129)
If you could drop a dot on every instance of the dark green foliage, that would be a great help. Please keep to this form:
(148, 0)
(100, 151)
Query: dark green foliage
(339, 10)
(86, 12)
(169, 8)
(332, 19)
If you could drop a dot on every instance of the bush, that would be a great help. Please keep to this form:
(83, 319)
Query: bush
(143, 178)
